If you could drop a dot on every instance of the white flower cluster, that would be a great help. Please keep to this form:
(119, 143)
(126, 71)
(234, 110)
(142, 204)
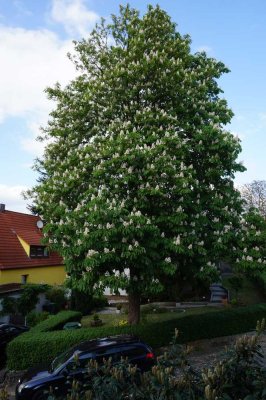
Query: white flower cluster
(247, 258)
(211, 265)
(177, 240)
(91, 253)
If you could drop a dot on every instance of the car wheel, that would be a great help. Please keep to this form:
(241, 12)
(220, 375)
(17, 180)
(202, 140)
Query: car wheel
(39, 395)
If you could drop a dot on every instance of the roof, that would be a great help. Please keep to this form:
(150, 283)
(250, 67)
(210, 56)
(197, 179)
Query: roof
(12, 254)
(10, 288)
(105, 342)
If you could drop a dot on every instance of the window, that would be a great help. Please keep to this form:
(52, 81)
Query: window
(38, 251)
(24, 279)
(113, 353)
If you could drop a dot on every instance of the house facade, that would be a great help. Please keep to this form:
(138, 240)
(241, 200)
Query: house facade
(23, 257)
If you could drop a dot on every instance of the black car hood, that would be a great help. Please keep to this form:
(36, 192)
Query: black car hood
(38, 372)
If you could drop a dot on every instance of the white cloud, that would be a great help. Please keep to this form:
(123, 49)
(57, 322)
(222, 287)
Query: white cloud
(30, 61)
(12, 198)
(74, 16)
(29, 143)
(32, 146)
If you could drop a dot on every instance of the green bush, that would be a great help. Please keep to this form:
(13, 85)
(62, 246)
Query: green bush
(99, 302)
(56, 295)
(57, 321)
(26, 302)
(35, 317)
(40, 346)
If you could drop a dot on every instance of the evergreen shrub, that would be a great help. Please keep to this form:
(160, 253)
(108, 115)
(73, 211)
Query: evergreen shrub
(57, 321)
(35, 317)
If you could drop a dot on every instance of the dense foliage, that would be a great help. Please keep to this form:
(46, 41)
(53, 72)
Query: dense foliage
(25, 303)
(45, 341)
(137, 180)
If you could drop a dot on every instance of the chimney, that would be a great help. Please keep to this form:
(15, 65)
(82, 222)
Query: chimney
(2, 207)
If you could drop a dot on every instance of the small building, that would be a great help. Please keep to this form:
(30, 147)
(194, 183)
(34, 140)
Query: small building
(23, 256)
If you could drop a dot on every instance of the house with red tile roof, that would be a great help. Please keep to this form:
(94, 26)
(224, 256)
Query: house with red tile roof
(23, 257)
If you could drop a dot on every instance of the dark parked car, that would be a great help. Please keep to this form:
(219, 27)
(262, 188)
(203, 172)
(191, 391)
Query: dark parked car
(7, 333)
(11, 328)
(38, 380)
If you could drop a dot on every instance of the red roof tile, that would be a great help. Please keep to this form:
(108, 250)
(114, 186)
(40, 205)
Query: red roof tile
(12, 254)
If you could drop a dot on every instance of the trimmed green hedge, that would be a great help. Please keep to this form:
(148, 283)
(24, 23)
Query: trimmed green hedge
(38, 345)
(57, 321)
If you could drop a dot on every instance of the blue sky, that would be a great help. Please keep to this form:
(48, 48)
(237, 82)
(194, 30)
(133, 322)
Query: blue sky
(35, 36)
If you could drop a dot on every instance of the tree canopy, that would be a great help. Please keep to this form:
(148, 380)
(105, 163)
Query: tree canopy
(137, 180)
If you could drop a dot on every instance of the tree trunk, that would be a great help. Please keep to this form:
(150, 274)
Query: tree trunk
(133, 308)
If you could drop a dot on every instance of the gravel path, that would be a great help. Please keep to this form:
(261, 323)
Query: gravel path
(207, 351)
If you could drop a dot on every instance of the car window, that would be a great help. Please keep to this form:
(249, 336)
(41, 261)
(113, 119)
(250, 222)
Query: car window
(114, 353)
(60, 360)
(79, 364)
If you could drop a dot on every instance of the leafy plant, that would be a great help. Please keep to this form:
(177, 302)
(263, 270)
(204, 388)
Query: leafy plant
(96, 320)
(26, 302)
(34, 317)
(56, 295)
(236, 282)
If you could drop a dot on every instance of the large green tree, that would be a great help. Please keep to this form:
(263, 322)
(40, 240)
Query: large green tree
(137, 181)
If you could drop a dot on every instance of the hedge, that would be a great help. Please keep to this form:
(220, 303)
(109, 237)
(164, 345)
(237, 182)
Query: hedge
(57, 321)
(38, 346)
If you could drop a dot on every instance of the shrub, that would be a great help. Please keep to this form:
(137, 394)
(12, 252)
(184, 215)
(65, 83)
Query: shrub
(56, 295)
(26, 302)
(96, 321)
(57, 321)
(99, 302)
(29, 297)
(34, 317)
(36, 346)
(81, 301)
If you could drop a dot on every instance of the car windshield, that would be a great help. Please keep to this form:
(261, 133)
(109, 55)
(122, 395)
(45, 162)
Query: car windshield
(60, 360)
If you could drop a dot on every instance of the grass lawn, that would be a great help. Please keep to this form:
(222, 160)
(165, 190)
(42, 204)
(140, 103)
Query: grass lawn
(114, 319)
